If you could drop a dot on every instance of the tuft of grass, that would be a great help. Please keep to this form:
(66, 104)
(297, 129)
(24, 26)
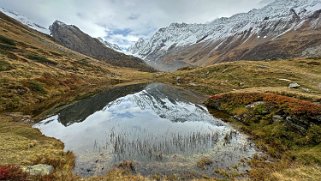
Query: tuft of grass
(204, 162)
(41, 59)
(5, 66)
(7, 41)
(36, 87)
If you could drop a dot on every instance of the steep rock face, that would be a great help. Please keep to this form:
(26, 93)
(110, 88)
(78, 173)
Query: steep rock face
(72, 37)
(282, 29)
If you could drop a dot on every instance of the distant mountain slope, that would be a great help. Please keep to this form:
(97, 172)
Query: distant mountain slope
(72, 37)
(282, 29)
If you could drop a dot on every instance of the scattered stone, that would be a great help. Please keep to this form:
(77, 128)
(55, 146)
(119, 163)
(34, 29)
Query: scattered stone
(263, 66)
(254, 104)
(294, 85)
(38, 170)
(178, 80)
(295, 124)
(306, 90)
(286, 80)
(193, 84)
(277, 118)
(241, 84)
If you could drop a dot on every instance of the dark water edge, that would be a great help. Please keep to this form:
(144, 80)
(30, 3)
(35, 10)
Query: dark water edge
(160, 128)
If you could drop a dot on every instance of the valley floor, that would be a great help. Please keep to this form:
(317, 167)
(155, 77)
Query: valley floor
(295, 161)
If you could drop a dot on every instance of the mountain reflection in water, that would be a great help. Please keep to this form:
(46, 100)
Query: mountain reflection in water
(161, 128)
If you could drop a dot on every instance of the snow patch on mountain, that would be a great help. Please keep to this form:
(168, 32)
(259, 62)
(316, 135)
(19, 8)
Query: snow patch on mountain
(273, 20)
(24, 20)
(110, 45)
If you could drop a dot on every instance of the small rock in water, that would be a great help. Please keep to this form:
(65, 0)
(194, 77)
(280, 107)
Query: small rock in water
(38, 170)
(178, 80)
(294, 85)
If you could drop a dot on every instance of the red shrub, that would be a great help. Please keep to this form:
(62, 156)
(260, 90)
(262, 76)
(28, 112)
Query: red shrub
(238, 98)
(288, 104)
(293, 105)
(12, 172)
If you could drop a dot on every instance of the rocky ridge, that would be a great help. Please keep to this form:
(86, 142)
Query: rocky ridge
(281, 29)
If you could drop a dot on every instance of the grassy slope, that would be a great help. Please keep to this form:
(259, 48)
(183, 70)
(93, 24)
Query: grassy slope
(33, 69)
(253, 76)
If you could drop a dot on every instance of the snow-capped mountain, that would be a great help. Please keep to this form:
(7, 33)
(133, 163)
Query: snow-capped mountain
(265, 33)
(24, 20)
(110, 45)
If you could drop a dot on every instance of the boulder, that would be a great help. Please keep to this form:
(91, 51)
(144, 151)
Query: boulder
(38, 170)
(254, 104)
(277, 118)
(294, 85)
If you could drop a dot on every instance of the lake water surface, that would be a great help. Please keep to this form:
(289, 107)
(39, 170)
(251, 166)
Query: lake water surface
(162, 129)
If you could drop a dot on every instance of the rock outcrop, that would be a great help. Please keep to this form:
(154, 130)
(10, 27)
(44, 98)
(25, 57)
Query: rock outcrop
(73, 38)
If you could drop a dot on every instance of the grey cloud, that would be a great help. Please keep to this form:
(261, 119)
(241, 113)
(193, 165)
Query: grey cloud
(141, 17)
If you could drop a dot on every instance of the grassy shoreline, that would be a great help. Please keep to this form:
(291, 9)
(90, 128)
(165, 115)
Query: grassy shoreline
(25, 145)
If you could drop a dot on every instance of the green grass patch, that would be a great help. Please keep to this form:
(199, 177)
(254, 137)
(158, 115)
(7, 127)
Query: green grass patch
(5, 66)
(36, 87)
(7, 41)
(41, 59)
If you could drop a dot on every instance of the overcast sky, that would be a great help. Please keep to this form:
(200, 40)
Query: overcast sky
(124, 21)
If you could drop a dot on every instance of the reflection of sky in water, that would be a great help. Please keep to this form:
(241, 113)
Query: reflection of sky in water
(152, 118)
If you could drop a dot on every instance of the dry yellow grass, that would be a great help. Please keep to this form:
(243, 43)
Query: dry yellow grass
(263, 76)
(302, 173)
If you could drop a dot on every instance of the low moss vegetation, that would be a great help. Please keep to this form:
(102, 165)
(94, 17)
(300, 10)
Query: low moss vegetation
(204, 162)
(41, 59)
(5, 66)
(6, 44)
(36, 87)
(7, 41)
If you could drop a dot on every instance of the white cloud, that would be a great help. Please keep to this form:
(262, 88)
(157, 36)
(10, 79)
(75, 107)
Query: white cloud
(131, 19)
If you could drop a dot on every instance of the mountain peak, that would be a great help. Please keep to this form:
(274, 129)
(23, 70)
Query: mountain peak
(214, 41)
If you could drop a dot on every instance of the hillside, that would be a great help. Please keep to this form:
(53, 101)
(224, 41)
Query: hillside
(72, 37)
(33, 69)
(282, 29)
